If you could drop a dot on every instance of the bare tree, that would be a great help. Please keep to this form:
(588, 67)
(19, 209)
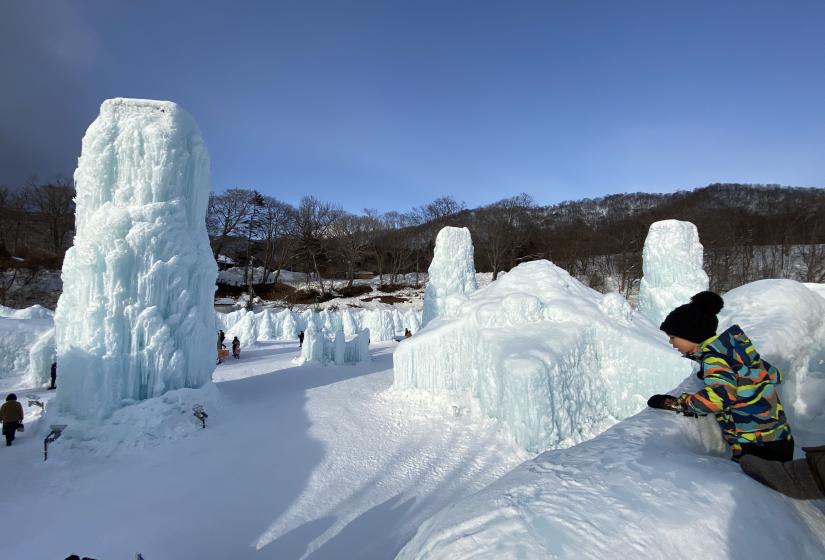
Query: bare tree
(54, 203)
(278, 227)
(227, 214)
(315, 226)
(352, 237)
(499, 230)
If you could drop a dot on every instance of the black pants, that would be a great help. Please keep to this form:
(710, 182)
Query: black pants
(781, 450)
(9, 429)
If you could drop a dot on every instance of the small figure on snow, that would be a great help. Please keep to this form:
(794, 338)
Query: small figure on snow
(236, 348)
(740, 387)
(407, 333)
(222, 353)
(221, 337)
(301, 339)
(11, 415)
(54, 376)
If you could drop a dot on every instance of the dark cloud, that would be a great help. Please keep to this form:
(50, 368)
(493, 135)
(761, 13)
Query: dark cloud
(47, 52)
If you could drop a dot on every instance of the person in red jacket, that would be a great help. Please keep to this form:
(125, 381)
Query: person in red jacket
(11, 415)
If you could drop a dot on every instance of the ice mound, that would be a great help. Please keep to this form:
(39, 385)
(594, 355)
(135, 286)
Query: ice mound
(672, 267)
(553, 360)
(452, 274)
(135, 318)
(655, 485)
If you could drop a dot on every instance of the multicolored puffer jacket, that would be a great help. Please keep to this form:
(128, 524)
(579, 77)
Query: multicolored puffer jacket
(740, 389)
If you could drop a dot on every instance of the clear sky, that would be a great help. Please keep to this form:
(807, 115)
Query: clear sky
(391, 104)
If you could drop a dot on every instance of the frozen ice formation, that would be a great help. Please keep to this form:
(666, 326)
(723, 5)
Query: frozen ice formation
(26, 343)
(672, 268)
(250, 327)
(555, 361)
(592, 500)
(452, 274)
(135, 318)
(332, 347)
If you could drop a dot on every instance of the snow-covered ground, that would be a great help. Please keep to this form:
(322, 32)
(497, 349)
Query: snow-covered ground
(318, 462)
(321, 461)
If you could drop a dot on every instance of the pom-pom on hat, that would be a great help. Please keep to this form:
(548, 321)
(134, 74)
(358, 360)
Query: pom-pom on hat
(695, 321)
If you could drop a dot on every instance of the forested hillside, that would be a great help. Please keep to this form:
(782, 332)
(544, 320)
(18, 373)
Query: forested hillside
(748, 231)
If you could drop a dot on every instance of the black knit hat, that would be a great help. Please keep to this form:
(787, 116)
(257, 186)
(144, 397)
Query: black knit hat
(695, 321)
(11, 397)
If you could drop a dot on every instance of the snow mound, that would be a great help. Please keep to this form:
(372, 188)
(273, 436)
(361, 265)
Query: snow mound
(135, 318)
(672, 266)
(452, 274)
(657, 485)
(139, 425)
(555, 361)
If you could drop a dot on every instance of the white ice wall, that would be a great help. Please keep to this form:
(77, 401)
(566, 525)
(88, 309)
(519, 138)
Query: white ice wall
(552, 359)
(452, 274)
(672, 268)
(383, 324)
(135, 318)
(25, 334)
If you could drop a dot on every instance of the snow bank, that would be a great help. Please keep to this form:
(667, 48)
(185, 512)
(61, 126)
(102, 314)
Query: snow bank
(672, 267)
(553, 360)
(135, 318)
(658, 485)
(451, 274)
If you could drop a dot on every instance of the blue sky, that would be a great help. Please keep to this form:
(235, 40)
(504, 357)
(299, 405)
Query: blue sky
(391, 104)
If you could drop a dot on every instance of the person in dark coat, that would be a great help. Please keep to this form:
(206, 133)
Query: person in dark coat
(236, 348)
(802, 479)
(300, 339)
(11, 415)
(54, 375)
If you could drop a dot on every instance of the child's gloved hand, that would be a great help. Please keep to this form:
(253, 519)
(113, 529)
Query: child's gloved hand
(663, 401)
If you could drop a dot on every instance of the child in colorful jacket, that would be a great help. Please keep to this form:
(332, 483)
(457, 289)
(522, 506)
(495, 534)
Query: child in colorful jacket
(740, 387)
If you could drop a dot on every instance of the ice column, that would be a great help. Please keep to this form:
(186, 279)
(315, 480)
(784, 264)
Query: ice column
(452, 274)
(135, 318)
(672, 268)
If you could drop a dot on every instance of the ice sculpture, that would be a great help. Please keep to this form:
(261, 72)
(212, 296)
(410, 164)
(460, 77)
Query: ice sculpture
(544, 354)
(452, 274)
(135, 318)
(672, 268)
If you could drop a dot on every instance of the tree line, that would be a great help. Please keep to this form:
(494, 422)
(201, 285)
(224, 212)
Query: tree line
(749, 232)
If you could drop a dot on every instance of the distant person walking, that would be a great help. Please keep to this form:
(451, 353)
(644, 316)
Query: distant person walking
(54, 375)
(301, 339)
(236, 348)
(221, 352)
(11, 415)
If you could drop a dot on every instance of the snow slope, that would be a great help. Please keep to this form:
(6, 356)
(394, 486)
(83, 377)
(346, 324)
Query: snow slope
(282, 469)
(658, 485)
